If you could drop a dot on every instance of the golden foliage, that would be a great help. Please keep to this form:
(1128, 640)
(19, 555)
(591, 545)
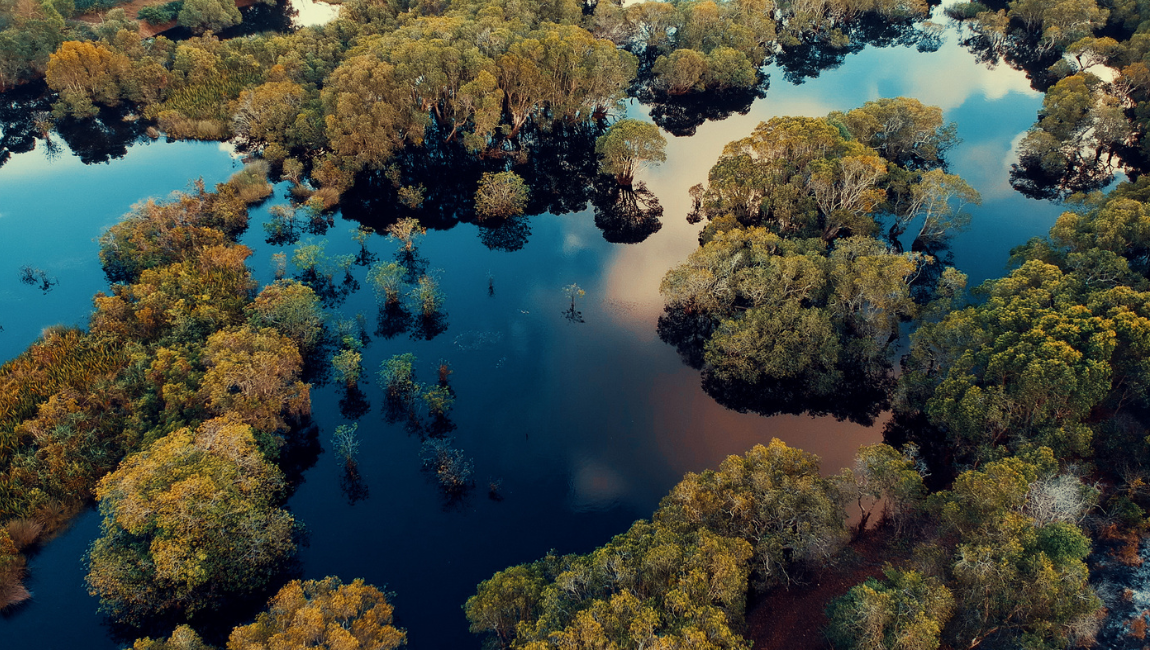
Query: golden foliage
(325, 615)
(253, 374)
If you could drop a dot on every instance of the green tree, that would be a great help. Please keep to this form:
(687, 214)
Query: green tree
(907, 611)
(347, 365)
(208, 15)
(188, 521)
(501, 196)
(182, 638)
(387, 282)
(291, 308)
(903, 130)
(627, 147)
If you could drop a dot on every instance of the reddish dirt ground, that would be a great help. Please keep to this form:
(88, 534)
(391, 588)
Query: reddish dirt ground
(794, 618)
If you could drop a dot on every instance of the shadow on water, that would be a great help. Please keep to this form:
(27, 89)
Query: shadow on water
(353, 403)
(558, 163)
(26, 121)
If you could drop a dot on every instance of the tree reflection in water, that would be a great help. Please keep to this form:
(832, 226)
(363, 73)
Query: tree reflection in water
(626, 215)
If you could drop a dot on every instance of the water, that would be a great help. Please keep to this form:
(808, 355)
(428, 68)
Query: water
(586, 424)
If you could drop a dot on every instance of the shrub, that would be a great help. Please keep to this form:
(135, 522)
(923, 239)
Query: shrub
(160, 14)
(501, 196)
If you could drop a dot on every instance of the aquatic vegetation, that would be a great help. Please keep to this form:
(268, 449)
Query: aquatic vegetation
(346, 444)
(501, 196)
(452, 470)
(348, 366)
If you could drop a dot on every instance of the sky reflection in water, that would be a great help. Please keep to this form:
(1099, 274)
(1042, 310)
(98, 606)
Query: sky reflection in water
(587, 425)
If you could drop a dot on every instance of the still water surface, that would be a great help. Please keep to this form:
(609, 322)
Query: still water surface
(586, 424)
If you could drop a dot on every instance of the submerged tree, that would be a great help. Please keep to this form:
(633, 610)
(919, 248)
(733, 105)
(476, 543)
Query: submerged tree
(628, 147)
(406, 231)
(571, 292)
(452, 470)
(501, 196)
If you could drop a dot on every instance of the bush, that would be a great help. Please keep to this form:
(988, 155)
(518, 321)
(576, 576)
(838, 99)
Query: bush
(501, 196)
(160, 14)
(965, 10)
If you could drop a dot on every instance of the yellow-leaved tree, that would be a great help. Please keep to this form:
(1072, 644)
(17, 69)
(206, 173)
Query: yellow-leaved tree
(188, 521)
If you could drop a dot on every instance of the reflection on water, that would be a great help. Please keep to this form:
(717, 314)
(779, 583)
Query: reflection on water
(581, 427)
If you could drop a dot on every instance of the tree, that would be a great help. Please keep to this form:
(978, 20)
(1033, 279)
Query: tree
(345, 444)
(368, 116)
(773, 498)
(253, 375)
(182, 638)
(208, 15)
(907, 611)
(407, 231)
(290, 307)
(681, 72)
(452, 470)
(84, 73)
(902, 130)
(938, 198)
(347, 365)
(882, 474)
(427, 296)
(501, 196)
(397, 376)
(387, 281)
(681, 579)
(323, 614)
(188, 521)
(627, 147)
(1013, 574)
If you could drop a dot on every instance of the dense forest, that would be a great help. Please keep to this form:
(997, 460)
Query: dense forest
(1016, 447)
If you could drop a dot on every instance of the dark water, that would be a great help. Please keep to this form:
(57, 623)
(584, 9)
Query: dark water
(586, 424)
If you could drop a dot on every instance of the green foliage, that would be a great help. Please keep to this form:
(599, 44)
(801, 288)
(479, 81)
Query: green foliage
(397, 376)
(438, 400)
(1013, 572)
(208, 15)
(1056, 338)
(291, 308)
(160, 14)
(452, 470)
(406, 231)
(501, 196)
(627, 147)
(182, 638)
(347, 365)
(681, 578)
(427, 297)
(786, 310)
(907, 611)
(387, 282)
(188, 521)
(345, 443)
